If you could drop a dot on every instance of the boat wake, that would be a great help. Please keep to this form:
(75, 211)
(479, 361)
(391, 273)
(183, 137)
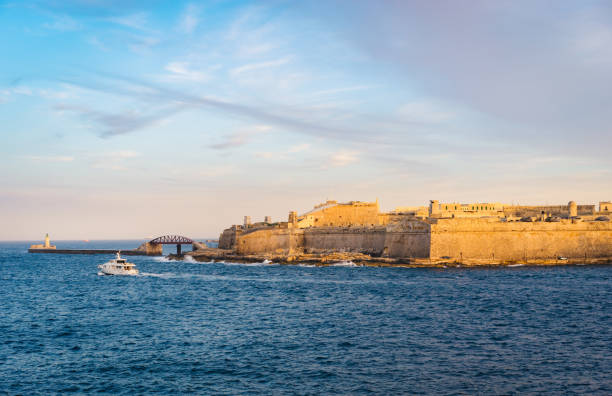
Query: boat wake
(516, 265)
(165, 275)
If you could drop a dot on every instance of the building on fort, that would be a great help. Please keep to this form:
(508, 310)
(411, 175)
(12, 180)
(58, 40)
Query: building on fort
(454, 231)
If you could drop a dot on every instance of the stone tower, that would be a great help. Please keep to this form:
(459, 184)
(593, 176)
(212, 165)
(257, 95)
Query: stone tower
(572, 208)
(47, 242)
(293, 218)
(247, 221)
(434, 207)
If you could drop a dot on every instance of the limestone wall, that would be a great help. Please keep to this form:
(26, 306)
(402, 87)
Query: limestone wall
(334, 239)
(151, 249)
(554, 210)
(227, 239)
(407, 238)
(271, 240)
(342, 215)
(484, 239)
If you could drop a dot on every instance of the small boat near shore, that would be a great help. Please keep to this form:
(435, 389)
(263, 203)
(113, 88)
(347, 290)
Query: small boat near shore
(117, 266)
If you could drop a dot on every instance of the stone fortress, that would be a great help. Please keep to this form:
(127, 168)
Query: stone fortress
(441, 232)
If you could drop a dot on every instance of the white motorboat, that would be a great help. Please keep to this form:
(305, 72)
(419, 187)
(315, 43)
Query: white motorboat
(118, 266)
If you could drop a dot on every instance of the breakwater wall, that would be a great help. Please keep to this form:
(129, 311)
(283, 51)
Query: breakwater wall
(91, 251)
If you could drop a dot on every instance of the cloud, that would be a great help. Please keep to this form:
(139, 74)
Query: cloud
(181, 71)
(63, 23)
(528, 65)
(240, 138)
(114, 160)
(425, 112)
(259, 65)
(49, 158)
(136, 21)
(190, 18)
(279, 115)
(343, 158)
(124, 154)
(341, 90)
(114, 124)
(299, 147)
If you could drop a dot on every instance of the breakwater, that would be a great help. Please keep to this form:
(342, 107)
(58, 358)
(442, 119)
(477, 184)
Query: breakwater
(92, 251)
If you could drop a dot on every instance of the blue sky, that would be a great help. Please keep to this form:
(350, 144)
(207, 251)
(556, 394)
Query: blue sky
(131, 119)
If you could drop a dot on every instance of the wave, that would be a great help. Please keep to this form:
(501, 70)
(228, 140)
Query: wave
(516, 265)
(345, 264)
(258, 264)
(163, 259)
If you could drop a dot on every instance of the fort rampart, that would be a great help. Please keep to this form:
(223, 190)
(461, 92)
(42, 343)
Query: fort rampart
(407, 237)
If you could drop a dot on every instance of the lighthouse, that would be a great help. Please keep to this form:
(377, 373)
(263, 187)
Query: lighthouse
(46, 245)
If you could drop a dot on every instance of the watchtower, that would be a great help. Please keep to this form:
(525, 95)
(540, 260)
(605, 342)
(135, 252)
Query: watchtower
(572, 209)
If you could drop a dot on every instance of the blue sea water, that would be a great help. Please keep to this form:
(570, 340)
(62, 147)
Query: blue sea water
(222, 328)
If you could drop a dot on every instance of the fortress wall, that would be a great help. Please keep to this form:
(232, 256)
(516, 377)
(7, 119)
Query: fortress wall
(273, 240)
(227, 239)
(343, 215)
(364, 240)
(408, 239)
(555, 210)
(515, 241)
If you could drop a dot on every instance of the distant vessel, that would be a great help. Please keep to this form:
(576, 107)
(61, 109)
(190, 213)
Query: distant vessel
(46, 245)
(118, 266)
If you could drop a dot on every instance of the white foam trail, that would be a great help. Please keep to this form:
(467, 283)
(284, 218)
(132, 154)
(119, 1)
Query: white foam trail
(261, 264)
(516, 265)
(190, 259)
(344, 264)
(164, 275)
(163, 260)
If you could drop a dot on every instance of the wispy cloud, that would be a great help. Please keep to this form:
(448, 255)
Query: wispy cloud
(259, 65)
(343, 158)
(334, 91)
(425, 112)
(190, 18)
(49, 158)
(113, 160)
(136, 21)
(299, 147)
(113, 124)
(63, 23)
(181, 71)
(301, 121)
(240, 138)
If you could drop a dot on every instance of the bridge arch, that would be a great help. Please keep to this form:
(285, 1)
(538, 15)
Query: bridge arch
(154, 246)
(172, 240)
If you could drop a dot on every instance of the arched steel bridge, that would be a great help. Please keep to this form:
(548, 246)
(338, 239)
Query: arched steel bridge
(172, 240)
(177, 240)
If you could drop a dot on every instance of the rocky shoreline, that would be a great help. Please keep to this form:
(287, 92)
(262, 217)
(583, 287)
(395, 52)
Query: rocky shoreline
(360, 259)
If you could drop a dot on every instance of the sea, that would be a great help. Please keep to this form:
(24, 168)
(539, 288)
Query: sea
(185, 327)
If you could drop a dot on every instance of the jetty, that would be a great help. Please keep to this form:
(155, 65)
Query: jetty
(153, 247)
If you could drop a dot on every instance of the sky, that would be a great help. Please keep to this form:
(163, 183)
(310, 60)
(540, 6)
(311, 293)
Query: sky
(130, 119)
